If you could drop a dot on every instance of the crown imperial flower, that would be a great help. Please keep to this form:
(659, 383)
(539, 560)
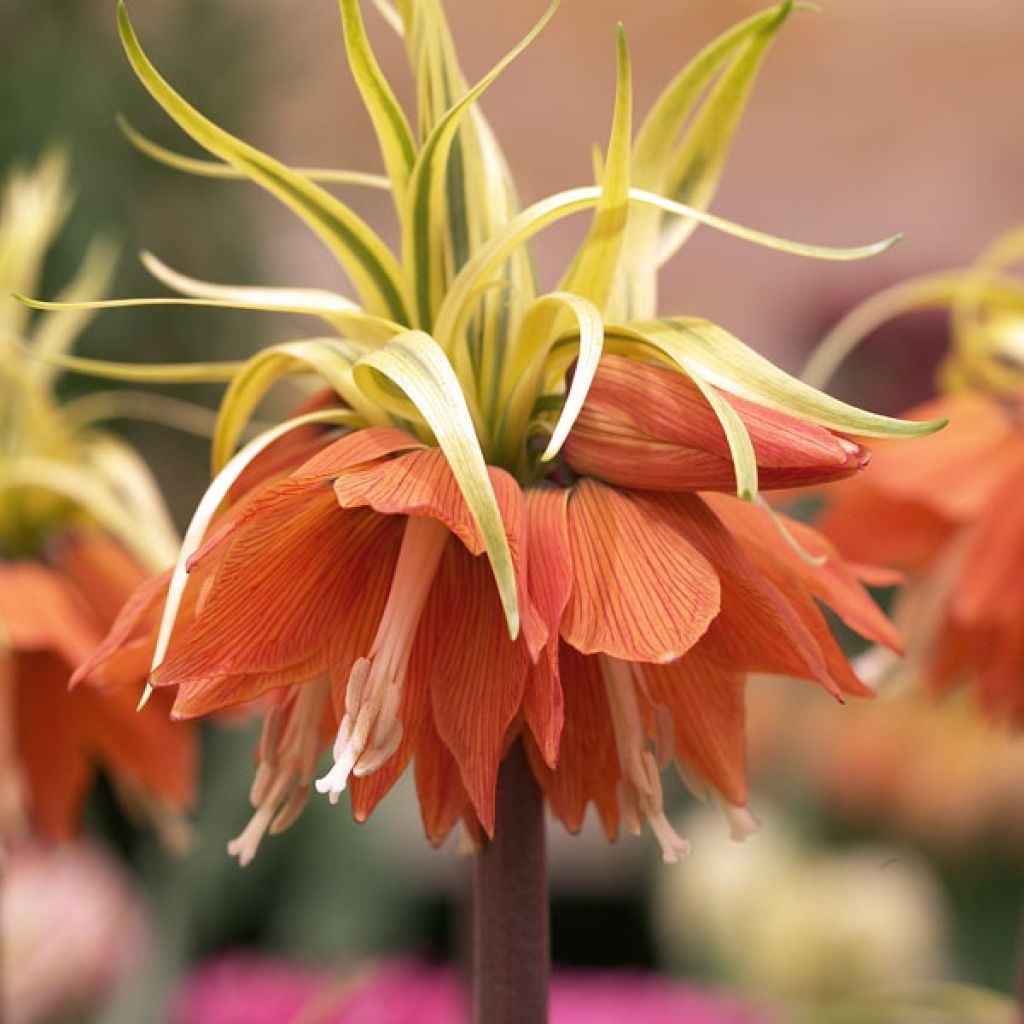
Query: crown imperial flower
(509, 516)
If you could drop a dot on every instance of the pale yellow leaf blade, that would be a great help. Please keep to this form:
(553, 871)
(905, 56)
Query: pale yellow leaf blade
(224, 171)
(722, 360)
(371, 266)
(415, 363)
(329, 358)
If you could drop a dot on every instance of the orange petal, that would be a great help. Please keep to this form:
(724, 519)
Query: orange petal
(588, 763)
(833, 582)
(641, 591)
(291, 449)
(649, 427)
(991, 589)
(549, 581)
(477, 674)
(50, 749)
(143, 747)
(353, 450)
(706, 704)
(39, 611)
(955, 471)
(442, 797)
(127, 649)
(204, 696)
(283, 588)
(867, 524)
(98, 568)
(421, 483)
(757, 629)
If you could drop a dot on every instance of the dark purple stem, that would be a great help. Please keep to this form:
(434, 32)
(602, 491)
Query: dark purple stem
(511, 943)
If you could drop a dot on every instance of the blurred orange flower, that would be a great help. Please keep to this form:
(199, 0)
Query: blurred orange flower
(80, 526)
(935, 772)
(54, 610)
(952, 513)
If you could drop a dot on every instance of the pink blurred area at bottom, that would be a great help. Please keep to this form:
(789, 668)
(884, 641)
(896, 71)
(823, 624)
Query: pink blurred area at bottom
(249, 989)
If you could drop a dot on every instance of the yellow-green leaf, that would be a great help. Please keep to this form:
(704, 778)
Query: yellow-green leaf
(416, 364)
(55, 332)
(593, 269)
(329, 358)
(927, 292)
(680, 155)
(219, 169)
(137, 373)
(724, 361)
(393, 133)
(527, 374)
(364, 257)
(424, 225)
(340, 312)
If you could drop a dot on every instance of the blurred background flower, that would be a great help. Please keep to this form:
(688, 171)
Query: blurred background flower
(799, 923)
(73, 926)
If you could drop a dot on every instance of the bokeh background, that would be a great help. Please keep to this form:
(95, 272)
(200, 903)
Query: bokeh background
(893, 839)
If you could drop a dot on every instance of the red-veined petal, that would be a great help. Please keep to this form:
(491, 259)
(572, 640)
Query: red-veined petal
(641, 592)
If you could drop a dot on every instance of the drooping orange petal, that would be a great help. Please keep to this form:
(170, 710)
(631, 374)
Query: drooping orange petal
(549, 581)
(476, 673)
(421, 483)
(47, 726)
(864, 523)
(291, 449)
(649, 427)
(954, 471)
(283, 588)
(442, 797)
(757, 629)
(641, 592)
(706, 704)
(358, 448)
(588, 763)
(126, 650)
(144, 747)
(98, 568)
(991, 588)
(39, 611)
(204, 696)
(831, 582)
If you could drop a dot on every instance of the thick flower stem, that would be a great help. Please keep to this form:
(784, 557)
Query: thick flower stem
(511, 943)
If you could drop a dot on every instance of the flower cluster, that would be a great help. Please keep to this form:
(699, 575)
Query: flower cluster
(514, 516)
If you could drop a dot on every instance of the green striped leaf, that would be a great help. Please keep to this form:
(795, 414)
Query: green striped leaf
(393, 133)
(373, 269)
(219, 169)
(329, 358)
(712, 353)
(415, 363)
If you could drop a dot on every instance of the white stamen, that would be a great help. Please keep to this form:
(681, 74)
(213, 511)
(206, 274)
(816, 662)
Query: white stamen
(742, 823)
(370, 731)
(287, 752)
(640, 793)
